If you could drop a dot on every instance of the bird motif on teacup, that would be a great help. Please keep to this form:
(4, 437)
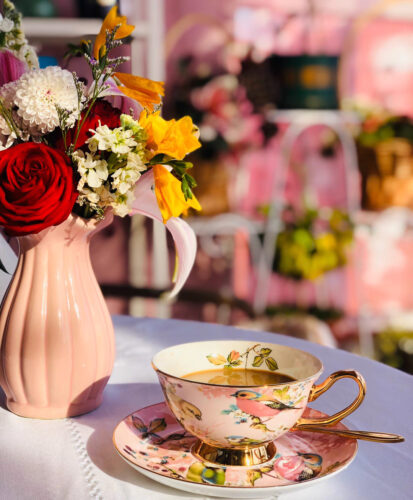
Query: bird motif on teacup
(185, 409)
(259, 405)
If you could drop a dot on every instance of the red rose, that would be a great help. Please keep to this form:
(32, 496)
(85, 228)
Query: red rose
(37, 188)
(103, 112)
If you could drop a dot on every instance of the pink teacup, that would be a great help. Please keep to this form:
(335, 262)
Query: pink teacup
(237, 424)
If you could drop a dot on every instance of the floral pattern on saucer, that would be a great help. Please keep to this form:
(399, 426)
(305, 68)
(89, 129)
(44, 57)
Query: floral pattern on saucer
(152, 439)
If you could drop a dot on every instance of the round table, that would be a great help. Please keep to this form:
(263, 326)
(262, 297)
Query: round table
(75, 458)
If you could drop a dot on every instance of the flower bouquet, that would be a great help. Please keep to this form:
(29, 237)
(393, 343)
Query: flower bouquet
(69, 162)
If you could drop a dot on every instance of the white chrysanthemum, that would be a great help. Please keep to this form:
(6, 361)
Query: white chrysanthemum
(38, 93)
(117, 140)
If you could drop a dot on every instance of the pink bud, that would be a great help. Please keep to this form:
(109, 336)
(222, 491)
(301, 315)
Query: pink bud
(234, 355)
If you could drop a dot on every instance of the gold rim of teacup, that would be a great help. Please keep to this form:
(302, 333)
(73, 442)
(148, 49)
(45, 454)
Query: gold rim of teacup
(295, 381)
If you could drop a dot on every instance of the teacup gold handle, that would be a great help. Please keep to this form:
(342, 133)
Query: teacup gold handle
(319, 389)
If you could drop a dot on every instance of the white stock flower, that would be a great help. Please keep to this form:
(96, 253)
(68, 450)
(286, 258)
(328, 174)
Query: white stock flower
(120, 209)
(6, 25)
(135, 161)
(122, 205)
(38, 92)
(6, 95)
(106, 198)
(93, 171)
(125, 178)
(28, 54)
(118, 140)
(90, 195)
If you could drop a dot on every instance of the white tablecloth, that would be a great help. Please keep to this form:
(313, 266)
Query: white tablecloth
(75, 459)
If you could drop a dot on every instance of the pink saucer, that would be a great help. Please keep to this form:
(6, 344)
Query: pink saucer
(154, 443)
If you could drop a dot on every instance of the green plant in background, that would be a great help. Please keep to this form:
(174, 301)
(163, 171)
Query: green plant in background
(312, 243)
(395, 348)
(376, 131)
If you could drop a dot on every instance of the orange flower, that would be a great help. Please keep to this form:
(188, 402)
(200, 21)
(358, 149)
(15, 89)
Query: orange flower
(172, 138)
(146, 92)
(109, 24)
(169, 195)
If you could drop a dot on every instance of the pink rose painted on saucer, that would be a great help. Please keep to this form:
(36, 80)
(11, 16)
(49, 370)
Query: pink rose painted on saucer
(298, 467)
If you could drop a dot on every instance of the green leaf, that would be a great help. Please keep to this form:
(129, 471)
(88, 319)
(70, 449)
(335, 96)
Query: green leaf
(271, 363)
(237, 362)
(218, 359)
(253, 475)
(186, 186)
(179, 169)
(160, 158)
(260, 427)
(191, 181)
(182, 164)
(268, 468)
(258, 360)
(281, 393)
(265, 351)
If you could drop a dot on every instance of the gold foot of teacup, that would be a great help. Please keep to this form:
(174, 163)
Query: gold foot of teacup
(231, 456)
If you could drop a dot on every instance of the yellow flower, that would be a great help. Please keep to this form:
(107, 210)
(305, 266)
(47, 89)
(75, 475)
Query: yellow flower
(109, 24)
(146, 92)
(172, 138)
(171, 199)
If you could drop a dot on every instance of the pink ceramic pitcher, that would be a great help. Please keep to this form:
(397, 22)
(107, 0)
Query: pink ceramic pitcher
(57, 341)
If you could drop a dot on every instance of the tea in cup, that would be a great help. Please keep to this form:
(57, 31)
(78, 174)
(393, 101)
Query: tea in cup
(238, 397)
